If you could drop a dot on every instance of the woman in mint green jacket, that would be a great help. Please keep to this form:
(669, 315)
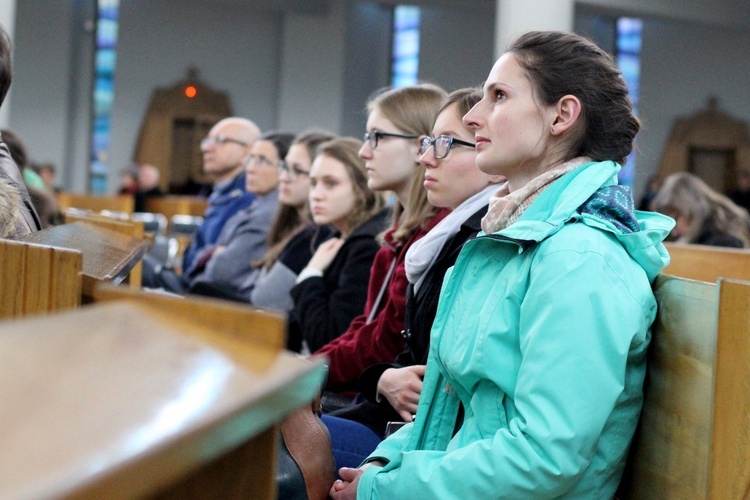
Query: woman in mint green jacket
(534, 381)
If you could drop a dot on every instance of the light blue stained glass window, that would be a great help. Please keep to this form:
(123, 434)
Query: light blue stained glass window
(405, 65)
(629, 40)
(105, 62)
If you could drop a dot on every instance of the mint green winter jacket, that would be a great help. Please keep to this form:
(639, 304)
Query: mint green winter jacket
(541, 335)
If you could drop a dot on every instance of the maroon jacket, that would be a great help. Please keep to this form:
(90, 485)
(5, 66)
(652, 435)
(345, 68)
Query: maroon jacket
(365, 344)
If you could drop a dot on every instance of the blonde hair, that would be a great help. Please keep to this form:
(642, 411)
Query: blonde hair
(413, 111)
(290, 220)
(689, 196)
(346, 151)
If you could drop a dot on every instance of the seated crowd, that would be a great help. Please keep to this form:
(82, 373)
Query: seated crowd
(436, 265)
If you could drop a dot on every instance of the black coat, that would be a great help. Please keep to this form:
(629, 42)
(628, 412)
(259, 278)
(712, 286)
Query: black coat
(420, 313)
(324, 306)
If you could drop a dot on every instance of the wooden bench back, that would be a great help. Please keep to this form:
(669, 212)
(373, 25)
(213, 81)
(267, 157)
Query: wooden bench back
(177, 205)
(730, 445)
(119, 203)
(691, 441)
(37, 279)
(708, 263)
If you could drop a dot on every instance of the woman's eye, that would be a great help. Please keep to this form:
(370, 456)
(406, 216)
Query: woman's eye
(500, 95)
(331, 184)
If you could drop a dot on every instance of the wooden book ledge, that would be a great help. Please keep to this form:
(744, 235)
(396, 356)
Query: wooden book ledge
(107, 255)
(124, 400)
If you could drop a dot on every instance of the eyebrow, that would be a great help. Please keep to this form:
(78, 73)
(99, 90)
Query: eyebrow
(325, 177)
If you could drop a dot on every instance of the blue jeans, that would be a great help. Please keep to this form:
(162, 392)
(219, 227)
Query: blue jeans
(351, 441)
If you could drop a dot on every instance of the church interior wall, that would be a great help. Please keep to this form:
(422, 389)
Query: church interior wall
(265, 60)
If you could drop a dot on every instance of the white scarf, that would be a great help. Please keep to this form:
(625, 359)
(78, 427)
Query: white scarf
(422, 254)
(506, 207)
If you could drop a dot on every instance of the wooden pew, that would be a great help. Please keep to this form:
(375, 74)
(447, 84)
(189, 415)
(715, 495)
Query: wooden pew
(36, 279)
(119, 203)
(135, 398)
(107, 255)
(177, 205)
(708, 263)
(692, 440)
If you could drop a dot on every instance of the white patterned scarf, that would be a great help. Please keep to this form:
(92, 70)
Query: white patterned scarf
(506, 207)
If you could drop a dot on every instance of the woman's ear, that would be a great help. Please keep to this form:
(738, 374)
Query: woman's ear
(567, 111)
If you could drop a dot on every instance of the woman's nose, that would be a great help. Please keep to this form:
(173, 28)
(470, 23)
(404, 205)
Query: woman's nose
(365, 151)
(428, 159)
(473, 117)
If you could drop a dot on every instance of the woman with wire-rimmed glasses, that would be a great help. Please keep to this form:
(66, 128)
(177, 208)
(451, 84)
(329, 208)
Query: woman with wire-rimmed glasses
(396, 119)
(390, 390)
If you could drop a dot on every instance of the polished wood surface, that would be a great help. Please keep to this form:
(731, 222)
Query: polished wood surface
(230, 325)
(707, 263)
(730, 448)
(107, 255)
(126, 227)
(38, 279)
(120, 203)
(115, 400)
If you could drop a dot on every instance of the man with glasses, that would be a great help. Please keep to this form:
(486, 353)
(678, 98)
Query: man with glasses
(223, 149)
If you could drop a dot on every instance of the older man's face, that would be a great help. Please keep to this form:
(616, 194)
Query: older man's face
(224, 148)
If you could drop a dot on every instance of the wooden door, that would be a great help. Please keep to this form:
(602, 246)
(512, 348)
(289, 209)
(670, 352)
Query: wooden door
(174, 124)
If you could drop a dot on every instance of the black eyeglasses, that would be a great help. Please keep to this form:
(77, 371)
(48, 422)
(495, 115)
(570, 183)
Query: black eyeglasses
(442, 145)
(293, 170)
(220, 139)
(373, 137)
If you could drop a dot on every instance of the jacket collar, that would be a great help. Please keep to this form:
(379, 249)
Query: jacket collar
(561, 202)
(552, 209)
(373, 226)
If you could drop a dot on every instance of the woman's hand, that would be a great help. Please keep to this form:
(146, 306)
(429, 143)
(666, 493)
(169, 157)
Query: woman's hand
(346, 487)
(402, 387)
(325, 254)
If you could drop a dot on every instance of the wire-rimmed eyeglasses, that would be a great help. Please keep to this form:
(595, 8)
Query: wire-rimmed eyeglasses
(259, 161)
(442, 145)
(373, 137)
(220, 139)
(294, 171)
